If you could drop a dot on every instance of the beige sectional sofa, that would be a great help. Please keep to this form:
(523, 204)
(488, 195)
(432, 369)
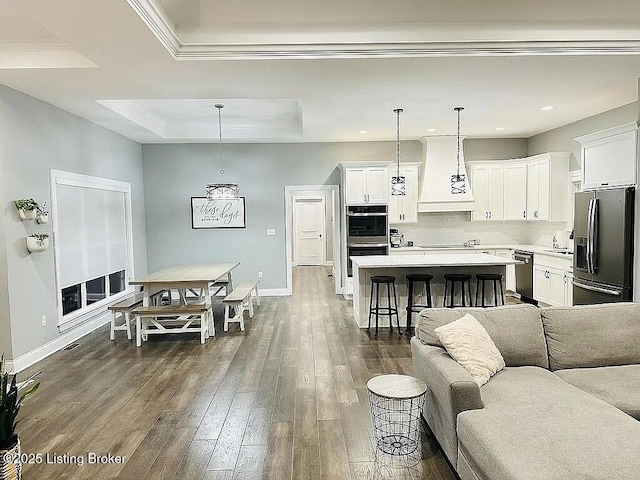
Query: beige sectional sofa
(565, 407)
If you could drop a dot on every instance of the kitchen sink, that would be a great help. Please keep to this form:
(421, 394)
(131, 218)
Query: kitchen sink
(561, 252)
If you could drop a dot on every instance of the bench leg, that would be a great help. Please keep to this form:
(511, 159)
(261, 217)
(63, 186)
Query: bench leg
(212, 327)
(112, 335)
(127, 321)
(226, 317)
(203, 327)
(241, 309)
(250, 301)
(257, 296)
(138, 332)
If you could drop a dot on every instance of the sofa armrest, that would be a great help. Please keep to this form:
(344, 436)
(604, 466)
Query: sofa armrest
(450, 390)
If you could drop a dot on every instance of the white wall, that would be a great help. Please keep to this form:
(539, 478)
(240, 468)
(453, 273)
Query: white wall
(35, 137)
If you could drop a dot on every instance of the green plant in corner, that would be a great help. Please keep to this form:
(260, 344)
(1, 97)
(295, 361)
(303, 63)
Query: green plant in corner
(11, 400)
(26, 204)
(40, 238)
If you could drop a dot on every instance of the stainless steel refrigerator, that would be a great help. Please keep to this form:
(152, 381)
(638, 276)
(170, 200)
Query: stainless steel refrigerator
(603, 246)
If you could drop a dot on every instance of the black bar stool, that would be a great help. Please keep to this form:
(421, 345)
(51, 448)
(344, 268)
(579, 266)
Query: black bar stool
(450, 280)
(390, 282)
(496, 278)
(412, 280)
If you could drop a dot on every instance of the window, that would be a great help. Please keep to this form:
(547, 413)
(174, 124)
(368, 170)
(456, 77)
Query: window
(92, 244)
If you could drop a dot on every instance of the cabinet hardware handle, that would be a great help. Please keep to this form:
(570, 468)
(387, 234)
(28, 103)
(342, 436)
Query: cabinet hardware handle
(524, 214)
(489, 214)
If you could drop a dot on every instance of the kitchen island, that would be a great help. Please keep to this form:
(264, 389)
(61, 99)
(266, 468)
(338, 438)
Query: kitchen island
(364, 267)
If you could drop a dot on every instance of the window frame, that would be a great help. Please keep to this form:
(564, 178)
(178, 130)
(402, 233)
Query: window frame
(87, 312)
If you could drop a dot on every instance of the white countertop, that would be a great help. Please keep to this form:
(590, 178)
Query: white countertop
(539, 249)
(429, 260)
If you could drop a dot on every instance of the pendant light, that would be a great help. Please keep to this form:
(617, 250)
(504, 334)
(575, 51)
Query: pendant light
(221, 190)
(458, 182)
(398, 185)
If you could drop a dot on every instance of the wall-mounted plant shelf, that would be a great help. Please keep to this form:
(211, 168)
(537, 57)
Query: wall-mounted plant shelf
(38, 242)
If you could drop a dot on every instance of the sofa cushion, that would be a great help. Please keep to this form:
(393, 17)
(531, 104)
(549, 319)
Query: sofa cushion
(515, 329)
(470, 345)
(536, 426)
(618, 386)
(592, 335)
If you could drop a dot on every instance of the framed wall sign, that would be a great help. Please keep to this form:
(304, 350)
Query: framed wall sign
(220, 213)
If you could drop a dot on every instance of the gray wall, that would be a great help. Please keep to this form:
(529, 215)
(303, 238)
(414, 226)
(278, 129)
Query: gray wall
(34, 137)
(562, 139)
(494, 148)
(174, 173)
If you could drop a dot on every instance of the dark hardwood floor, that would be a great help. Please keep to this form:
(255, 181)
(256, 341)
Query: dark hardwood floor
(284, 399)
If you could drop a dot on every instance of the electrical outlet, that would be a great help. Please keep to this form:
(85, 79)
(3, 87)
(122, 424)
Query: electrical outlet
(43, 320)
(259, 274)
(271, 232)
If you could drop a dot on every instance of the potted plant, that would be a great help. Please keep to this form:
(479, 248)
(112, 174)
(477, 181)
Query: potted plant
(38, 242)
(11, 400)
(27, 208)
(43, 213)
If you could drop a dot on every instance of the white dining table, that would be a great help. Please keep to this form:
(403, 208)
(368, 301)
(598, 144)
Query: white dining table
(187, 277)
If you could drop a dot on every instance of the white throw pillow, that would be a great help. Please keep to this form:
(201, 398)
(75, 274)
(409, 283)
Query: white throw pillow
(470, 345)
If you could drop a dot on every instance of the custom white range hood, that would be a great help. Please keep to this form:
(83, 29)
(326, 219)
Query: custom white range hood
(440, 156)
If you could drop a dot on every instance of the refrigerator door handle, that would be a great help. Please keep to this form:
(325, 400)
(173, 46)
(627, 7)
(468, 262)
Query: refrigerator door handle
(593, 234)
(588, 243)
(592, 288)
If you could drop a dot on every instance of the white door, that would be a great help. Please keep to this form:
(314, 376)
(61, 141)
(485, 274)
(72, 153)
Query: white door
(309, 228)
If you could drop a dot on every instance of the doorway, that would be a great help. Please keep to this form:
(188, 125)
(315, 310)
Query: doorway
(304, 207)
(309, 231)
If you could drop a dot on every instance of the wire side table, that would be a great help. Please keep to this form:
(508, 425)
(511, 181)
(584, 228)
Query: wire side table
(396, 403)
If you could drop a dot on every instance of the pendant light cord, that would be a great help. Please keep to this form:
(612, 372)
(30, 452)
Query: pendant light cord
(219, 106)
(398, 111)
(458, 109)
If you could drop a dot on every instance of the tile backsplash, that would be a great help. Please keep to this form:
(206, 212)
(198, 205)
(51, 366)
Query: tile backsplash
(455, 228)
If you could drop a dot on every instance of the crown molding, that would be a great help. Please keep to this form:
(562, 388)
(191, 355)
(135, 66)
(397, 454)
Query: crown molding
(165, 33)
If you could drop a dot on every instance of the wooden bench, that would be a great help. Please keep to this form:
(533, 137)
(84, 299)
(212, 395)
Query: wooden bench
(240, 298)
(125, 307)
(151, 320)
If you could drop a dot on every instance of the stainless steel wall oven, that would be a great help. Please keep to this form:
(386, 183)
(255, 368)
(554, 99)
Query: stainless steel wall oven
(367, 232)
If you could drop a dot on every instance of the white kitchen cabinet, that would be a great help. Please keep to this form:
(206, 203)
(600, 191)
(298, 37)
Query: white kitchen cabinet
(404, 208)
(515, 191)
(552, 280)
(366, 185)
(547, 177)
(487, 184)
(608, 157)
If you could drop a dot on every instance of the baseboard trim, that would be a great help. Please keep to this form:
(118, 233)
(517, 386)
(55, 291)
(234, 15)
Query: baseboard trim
(24, 361)
(274, 292)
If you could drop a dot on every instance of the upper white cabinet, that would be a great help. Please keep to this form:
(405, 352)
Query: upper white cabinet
(487, 185)
(547, 179)
(515, 191)
(404, 208)
(532, 188)
(608, 157)
(366, 184)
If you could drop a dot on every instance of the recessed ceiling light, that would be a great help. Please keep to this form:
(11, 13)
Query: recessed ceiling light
(362, 131)
(431, 130)
(499, 129)
(548, 107)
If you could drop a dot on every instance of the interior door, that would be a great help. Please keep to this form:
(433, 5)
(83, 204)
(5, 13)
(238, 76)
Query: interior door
(309, 239)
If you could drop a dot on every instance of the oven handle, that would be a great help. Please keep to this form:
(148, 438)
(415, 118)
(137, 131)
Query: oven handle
(367, 214)
(367, 244)
(521, 258)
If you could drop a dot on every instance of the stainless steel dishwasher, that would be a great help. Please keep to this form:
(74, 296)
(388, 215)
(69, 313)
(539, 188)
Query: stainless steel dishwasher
(524, 275)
